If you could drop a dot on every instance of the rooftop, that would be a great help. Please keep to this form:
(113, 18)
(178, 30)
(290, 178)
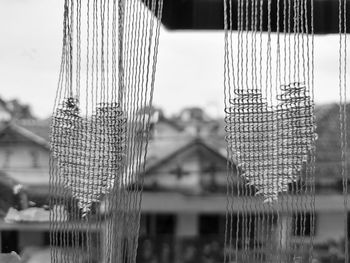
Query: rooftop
(193, 129)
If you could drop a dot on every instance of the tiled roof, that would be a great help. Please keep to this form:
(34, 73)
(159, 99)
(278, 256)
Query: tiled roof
(25, 133)
(162, 148)
(38, 127)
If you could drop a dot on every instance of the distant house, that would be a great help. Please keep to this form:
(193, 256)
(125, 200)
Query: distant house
(184, 199)
(24, 154)
(24, 159)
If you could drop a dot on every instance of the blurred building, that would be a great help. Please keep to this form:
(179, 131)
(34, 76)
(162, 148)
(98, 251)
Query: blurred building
(184, 200)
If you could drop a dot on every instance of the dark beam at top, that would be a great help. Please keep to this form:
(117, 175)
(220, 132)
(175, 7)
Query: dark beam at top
(209, 15)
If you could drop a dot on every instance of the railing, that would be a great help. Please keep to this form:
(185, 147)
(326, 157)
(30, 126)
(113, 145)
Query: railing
(167, 249)
(204, 249)
(211, 249)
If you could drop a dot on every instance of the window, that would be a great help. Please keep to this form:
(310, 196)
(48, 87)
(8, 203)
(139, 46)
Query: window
(302, 223)
(70, 239)
(6, 163)
(145, 225)
(157, 224)
(165, 224)
(211, 225)
(35, 159)
(9, 241)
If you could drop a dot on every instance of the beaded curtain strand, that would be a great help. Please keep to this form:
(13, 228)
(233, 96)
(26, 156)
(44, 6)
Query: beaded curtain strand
(343, 116)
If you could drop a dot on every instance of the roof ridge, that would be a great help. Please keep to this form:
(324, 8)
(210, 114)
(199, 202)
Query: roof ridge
(194, 140)
(27, 134)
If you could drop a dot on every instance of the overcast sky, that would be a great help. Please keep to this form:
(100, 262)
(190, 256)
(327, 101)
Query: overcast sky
(190, 68)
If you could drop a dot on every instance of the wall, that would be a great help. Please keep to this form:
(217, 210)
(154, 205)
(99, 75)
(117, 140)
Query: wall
(329, 226)
(28, 239)
(26, 163)
(187, 225)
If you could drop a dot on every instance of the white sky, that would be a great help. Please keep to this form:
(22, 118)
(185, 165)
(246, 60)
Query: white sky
(189, 72)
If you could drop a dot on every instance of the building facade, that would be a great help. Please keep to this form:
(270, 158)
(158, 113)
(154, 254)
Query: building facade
(184, 200)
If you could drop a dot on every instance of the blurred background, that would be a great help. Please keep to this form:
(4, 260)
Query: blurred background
(184, 200)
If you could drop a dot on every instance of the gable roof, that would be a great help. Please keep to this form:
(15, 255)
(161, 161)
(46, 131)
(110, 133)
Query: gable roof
(179, 149)
(38, 127)
(194, 167)
(162, 148)
(12, 128)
